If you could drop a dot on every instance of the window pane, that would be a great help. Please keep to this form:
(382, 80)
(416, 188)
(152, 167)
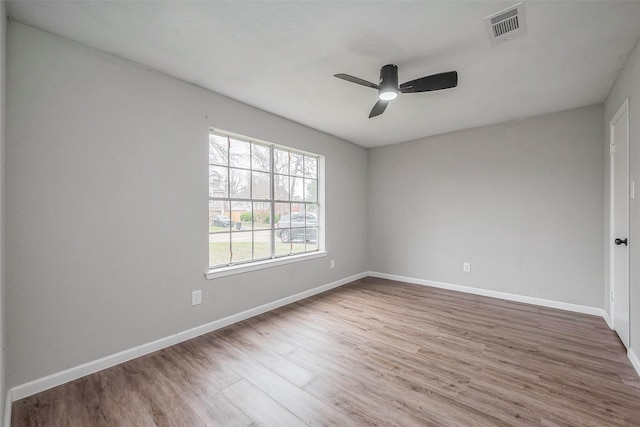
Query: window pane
(239, 181)
(260, 158)
(219, 249)
(238, 209)
(312, 209)
(240, 154)
(262, 244)
(281, 187)
(297, 165)
(241, 246)
(281, 161)
(218, 184)
(297, 214)
(219, 220)
(310, 190)
(312, 239)
(310, 167)
(282, 233)
(261, 215)
(245, 219)
(311, 232)
(295, 221)
(297, 235)
(260, 185)
(282, 248)
(282, 213)
(297, 186)
(297, 246)
(218, 153)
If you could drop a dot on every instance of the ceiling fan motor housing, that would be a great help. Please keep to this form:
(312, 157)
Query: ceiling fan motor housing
(389, 74)
(388, 79)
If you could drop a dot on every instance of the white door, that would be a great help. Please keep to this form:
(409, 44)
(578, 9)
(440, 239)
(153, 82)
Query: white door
(619, 130)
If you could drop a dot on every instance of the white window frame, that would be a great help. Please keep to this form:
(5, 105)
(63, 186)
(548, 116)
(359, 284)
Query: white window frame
(274, 260)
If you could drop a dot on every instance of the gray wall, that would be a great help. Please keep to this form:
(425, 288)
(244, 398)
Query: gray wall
(107, 206)
(522, 201)
(3, 43)
(627, 86)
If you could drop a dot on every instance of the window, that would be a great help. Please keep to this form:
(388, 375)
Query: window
(263, 201)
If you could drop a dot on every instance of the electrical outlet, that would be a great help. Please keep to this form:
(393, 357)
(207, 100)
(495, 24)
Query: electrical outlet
(466, 267)
(333, 263)
(196, 297)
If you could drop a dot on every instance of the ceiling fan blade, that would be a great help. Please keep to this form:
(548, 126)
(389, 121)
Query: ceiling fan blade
(356, 80)
(378, 108)
(434, 82)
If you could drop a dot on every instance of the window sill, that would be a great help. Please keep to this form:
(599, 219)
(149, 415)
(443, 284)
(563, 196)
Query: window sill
(238, 269)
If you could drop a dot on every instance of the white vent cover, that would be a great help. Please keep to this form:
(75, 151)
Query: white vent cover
(506, 25)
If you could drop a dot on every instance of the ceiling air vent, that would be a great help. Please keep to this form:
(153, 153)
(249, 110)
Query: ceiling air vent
(506, 25)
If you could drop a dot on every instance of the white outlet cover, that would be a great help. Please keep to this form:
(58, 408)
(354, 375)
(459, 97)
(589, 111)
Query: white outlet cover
(196, 297)
(466, 267)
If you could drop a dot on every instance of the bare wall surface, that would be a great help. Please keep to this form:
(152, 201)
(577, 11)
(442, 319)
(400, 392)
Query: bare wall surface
(521, 201)
(107, 206)
(627, 86)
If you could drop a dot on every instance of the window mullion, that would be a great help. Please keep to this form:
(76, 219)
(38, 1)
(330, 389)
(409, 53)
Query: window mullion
(228, 197)
(272, 214)
(253, 255)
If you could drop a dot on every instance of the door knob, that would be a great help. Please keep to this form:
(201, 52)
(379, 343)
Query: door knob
(621, 242)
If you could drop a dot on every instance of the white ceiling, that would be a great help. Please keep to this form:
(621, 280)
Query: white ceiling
(281, 56)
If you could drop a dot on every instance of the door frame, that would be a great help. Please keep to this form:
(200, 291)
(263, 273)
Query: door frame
(624, 109)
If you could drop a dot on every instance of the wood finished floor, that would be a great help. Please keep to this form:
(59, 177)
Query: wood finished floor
(374, 352)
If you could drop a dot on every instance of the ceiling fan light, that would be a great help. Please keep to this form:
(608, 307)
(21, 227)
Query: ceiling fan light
(388, 94)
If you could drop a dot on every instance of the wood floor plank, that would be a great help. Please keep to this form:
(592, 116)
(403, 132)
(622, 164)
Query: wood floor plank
(242, 337)
(373, 352)
(200, 394)
(310, 410)
(259, 406)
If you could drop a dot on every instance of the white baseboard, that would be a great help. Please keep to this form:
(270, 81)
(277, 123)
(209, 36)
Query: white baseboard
(53, 380)
(607, 319)
(633, 357)
(7, 409)
(495, 294)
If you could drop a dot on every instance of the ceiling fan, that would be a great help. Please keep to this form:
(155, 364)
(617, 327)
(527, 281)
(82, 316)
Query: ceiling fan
(388, 87)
